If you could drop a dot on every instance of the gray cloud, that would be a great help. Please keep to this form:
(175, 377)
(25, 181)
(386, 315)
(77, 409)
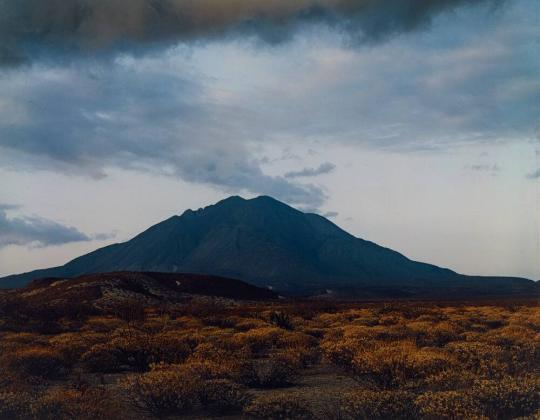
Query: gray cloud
(35, 29)
(34, 230)
(135, 115)
(205, 123)
(534, 175)
(484, 167)
(331, 214)
(104, 236)
(323, 168)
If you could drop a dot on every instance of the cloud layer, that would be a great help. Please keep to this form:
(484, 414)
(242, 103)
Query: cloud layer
(205, 114)
(323, 168)
(34, 230)
(34, 29)
(138, 115)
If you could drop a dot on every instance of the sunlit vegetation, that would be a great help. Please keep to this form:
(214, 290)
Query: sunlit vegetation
(209, 358)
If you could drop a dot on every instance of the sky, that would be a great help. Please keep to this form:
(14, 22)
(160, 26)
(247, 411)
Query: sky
(413, 124)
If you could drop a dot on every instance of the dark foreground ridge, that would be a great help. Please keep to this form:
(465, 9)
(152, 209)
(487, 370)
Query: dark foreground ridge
(110, 289)
(269, 244)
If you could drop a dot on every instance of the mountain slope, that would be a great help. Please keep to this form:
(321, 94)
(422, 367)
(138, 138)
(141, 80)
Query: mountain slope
(266, 243)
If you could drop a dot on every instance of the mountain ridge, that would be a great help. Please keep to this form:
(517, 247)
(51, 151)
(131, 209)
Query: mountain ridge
(266, 243)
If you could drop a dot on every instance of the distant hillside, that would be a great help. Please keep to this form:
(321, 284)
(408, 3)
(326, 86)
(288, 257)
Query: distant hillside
(108, 289)
(269, 244)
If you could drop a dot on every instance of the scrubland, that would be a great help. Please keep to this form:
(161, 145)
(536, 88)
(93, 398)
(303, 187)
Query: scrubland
(274, 360)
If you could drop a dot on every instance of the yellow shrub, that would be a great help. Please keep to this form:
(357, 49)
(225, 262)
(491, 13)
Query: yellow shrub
(368, 404)
(509, 397)
(170, 347)
(451, 405)
(36, 362)
(67, 404)
(481, 358)
(259, 340)
(246, 324)
(281, 406)
(73, 345)
(163, 392)
(397, 364)
(277, 371)
(101, 358)
(222, 396)
(450, 379)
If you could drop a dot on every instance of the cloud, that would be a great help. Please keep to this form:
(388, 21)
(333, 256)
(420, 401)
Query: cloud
(482, 167)
(34, 29)
(207, 115)
(330, 214)
(35, 230)
(324, 168)
(104, 236)
(534, 175)
(143, 115)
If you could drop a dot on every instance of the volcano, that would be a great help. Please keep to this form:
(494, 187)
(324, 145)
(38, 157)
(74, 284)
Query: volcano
(269, 244)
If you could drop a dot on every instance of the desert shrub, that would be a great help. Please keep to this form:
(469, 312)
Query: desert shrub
(162, 392)
(218, 363)
(483, 359)
(437, 335)
(218, 320)
(277, 371)
(40, 362)
(131, 311)
(259, 340)
(509, 397)
(281, 406)
(222, 396)
(101, 358)
(102, 324)
(511, 335)
(390, 319)
(246, 324)
(14, 405)
(132, 348)
(368, 404)
(73, 345)
(395, 365)
(342, 351)
(390, 333)
(67, 404)
(282, 320)
(314, 332)
(170, 347)
(449, 379)
(301, 347)
(449, 405)
(304, 356)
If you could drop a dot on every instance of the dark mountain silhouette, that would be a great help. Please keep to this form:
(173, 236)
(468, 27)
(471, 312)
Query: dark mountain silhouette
(267, 243)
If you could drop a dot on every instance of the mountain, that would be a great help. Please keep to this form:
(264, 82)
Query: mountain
(269, 244)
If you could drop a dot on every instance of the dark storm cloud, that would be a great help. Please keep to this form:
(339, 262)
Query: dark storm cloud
(322, 169)
(33, 29)
(34, 230)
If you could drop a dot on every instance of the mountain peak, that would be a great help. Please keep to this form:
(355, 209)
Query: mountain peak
(267, 243)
